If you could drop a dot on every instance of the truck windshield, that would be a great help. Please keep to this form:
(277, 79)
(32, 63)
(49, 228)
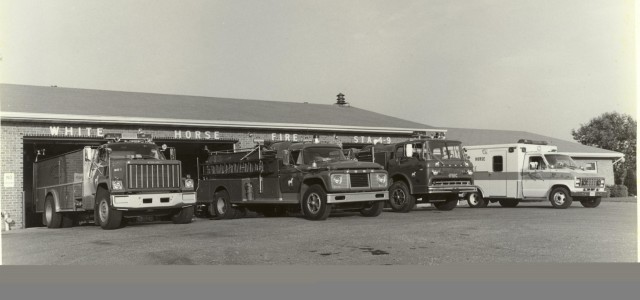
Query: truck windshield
(444, 150)
(560, 161)
(322, 155)
(133, 151)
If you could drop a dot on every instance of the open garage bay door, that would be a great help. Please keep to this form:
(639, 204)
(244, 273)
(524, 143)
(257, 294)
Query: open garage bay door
(38, 147)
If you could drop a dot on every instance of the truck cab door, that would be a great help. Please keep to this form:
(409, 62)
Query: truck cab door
(289, 176)
(535, 176)
(407, 161)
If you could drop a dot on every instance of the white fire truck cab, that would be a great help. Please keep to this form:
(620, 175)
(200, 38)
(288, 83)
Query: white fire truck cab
(530, 170)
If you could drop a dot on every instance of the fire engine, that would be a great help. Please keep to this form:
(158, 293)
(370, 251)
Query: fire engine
(431, 170)
(275, 178)
(128, 176)
(530, 170)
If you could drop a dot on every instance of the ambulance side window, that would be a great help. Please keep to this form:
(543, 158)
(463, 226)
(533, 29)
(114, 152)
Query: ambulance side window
(497, 163)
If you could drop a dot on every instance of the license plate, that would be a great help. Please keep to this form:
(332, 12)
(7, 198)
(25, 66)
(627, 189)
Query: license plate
(592, 193)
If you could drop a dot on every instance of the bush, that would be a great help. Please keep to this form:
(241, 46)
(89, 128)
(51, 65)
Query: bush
(618, 190)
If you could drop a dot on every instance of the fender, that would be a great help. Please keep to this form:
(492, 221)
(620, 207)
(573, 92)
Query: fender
(56, 198)
(304, 186)
(546, 195)
(404, 178)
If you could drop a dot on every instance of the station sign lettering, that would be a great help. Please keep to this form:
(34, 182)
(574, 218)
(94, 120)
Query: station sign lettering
(187, 134)
(75, 131)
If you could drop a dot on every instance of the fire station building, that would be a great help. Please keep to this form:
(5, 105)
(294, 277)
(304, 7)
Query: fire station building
(41, 122)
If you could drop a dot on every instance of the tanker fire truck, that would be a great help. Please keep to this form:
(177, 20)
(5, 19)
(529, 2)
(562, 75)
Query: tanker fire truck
(128, 176)
(429, 170)
(284, 176)
(531, 170)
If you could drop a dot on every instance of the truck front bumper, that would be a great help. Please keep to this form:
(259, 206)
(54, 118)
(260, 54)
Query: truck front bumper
(153, 201)
(589, 194)
(451, 189)
(357, 197)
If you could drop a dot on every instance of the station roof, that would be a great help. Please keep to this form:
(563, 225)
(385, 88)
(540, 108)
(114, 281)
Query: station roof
(474, 137)
(37, 103)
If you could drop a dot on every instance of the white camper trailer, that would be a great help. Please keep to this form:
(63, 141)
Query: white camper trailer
(530, 170)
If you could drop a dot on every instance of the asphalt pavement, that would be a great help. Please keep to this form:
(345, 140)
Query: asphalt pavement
(531, 232)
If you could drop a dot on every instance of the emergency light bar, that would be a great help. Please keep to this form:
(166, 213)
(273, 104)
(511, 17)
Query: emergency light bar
(127, 136)
(532, 142)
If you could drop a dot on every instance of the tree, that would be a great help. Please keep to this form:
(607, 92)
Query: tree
(616, 132)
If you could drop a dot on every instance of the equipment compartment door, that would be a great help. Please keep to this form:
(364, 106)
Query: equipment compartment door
(497, 178)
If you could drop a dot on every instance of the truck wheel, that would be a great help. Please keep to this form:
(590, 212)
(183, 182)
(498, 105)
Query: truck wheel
(591, 202)
(475, 200)
(314, 204)
(50, 217)
(184, 216)
(372, 209)
(109, 217)
(450, 204)
(560, 198)
(508, 202)
(400, 198)
(222, 205)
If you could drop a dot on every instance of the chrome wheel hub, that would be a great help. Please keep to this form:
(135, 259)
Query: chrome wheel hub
(398, 197)
(313, 203)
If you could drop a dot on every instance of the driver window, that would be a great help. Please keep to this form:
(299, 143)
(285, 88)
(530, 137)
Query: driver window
(417, 150)
(102, 156)
(536, 163)
(295, 158)
(400, 151)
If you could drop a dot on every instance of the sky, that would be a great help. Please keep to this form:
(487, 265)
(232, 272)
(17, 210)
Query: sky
(533, 65)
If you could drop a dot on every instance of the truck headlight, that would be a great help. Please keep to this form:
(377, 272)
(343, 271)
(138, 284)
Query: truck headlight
(339, 181)
(578, 181)
(466, 164)
(188, 183)
(469, 172)
(435, 172)
(378, 180)
(600, 182)
(116, 185)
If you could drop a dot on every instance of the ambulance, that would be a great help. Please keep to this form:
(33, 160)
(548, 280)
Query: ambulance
(530, 171)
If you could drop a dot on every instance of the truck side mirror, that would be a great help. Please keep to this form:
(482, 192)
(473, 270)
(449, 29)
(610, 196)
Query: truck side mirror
(408, 150)
(286, 157)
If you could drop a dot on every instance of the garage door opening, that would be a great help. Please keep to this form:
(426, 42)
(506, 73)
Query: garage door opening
(42, 147)
(36, 148)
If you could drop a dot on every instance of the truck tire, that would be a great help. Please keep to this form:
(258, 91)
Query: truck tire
(560, 198)
(508, 202)
(372, 209)
(184, 216)
(450, 204)
(400, 198)
(591, 202)
(50, 217)
(314, 204)
(475, 200)
(222, 205)
(109, 217)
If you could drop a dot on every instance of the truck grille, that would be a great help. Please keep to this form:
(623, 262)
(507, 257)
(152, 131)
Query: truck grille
(359, 180)
(447, 182)
(143, 176)
(591, 181)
